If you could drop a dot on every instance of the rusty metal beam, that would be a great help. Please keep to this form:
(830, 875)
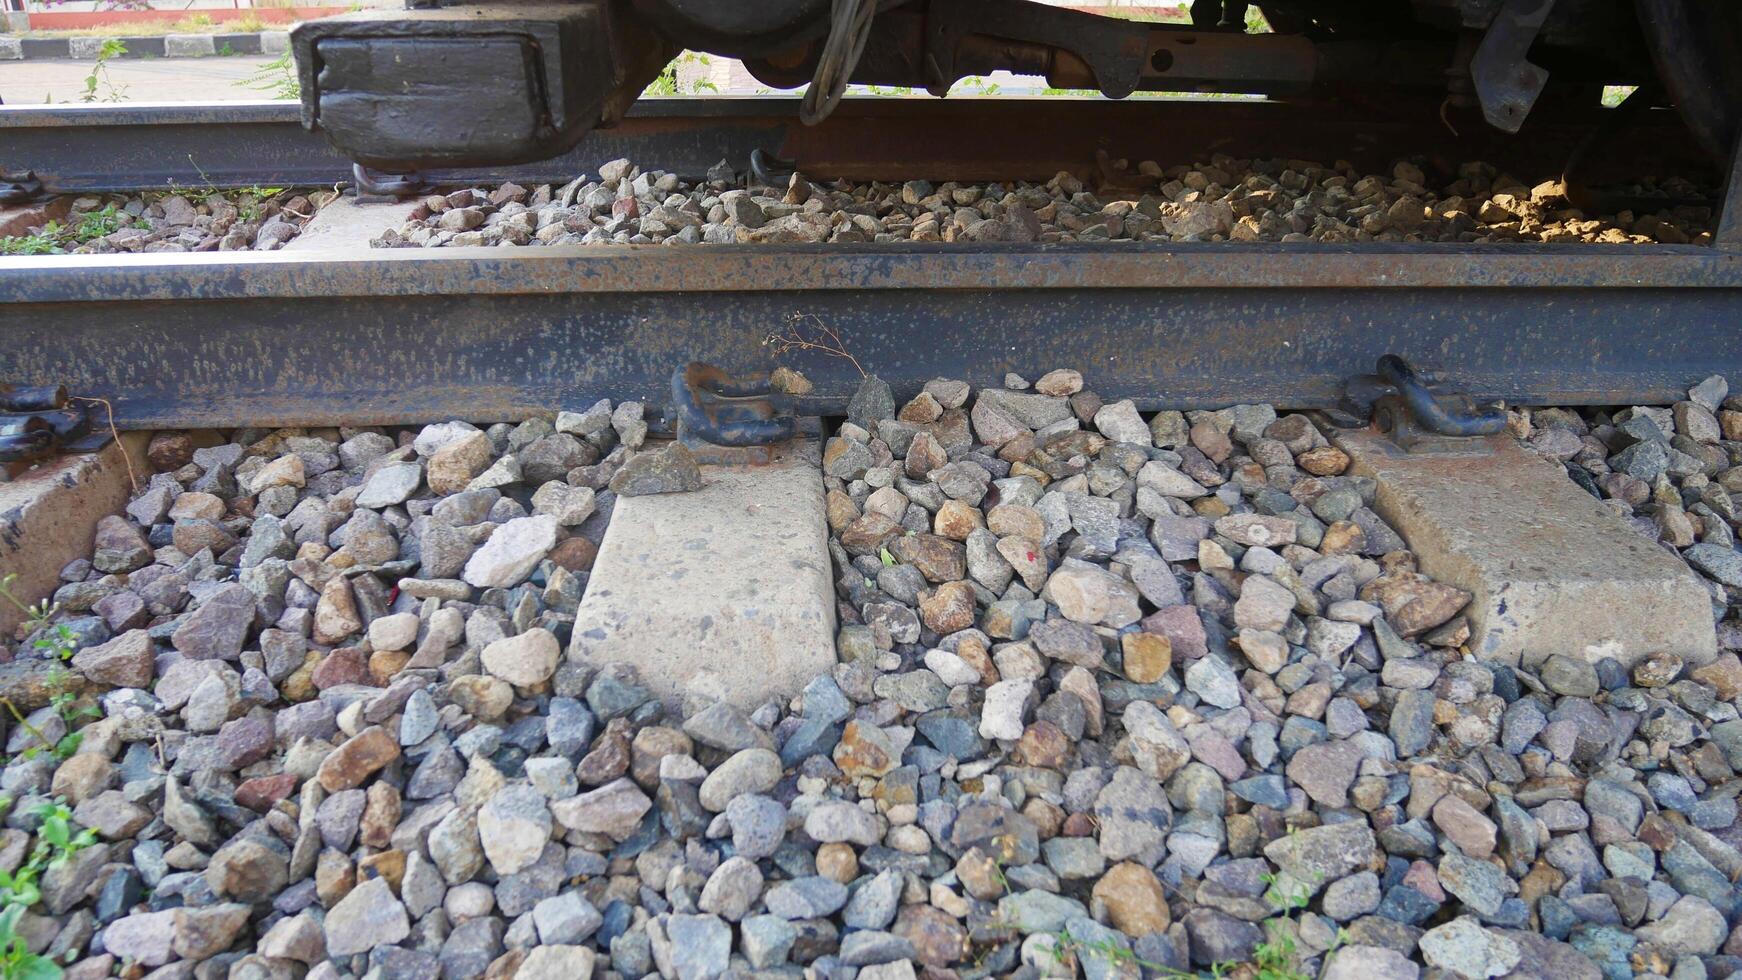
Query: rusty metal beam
(76, 148)
(413, 335)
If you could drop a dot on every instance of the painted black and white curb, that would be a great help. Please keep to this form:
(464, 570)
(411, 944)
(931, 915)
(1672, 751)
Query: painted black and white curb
(158, 46)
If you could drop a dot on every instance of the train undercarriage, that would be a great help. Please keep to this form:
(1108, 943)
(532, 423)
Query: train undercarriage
(482, 84)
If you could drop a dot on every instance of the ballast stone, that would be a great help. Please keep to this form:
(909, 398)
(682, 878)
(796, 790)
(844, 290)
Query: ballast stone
(724, 591)
(1550, 570)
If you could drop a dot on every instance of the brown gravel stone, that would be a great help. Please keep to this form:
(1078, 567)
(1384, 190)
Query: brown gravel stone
(129, 660)
(938, 940)
(336, 613)
(1467, 827)
(346, 665)
(1147, 656)
(1414, 603)
(453, 466)
(1136, 904)
(1016, 520)
(864, 750)
(938, 558)
(837, 862)
(388, 864)
(576, 554)
(949, 608)
(609, 757)
(381, 812)
(1723, 675)
(869, 533)
(360, 757)
(652, 744)
(1042, 744)
(260, 793)
(170, 451)
(956, 520)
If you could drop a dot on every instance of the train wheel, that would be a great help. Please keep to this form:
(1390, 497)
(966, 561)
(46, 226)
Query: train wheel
(1696, 46)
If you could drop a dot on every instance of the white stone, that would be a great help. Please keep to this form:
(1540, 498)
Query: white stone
(569, 505)
(395, 632)
(1169, 482)
(1156, 746)
(391, 484)
(1006, 707)
(1462, 947)
(434, 437)
(525, 660)
(1368, 963)
(840, 822)
(1353, 611)
(368, 917)
(565, 918)
(1120, 422)
(557, 963)
(1214, 681)
(951, 669)
(512, 552)
(1090, 594)
(501, 473)
(144, 937)
(1264, 604)
(513, 827)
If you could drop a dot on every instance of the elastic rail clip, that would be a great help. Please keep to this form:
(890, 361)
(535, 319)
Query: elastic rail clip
(23, 188)
(723, 420)
(387, 186)
(36, 422)
(1414, 410)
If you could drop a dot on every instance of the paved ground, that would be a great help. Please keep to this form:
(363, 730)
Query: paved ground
(145, 80)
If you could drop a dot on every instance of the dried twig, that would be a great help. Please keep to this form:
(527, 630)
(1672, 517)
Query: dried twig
(825, 341)
(116, 433)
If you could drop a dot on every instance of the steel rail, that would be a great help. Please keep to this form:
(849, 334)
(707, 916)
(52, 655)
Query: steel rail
(402, 336)
(132, 147)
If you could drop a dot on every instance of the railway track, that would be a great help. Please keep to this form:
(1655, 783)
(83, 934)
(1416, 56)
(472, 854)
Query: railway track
(285, 339)
(1092, 632)
(1170, 325)
(77, 148)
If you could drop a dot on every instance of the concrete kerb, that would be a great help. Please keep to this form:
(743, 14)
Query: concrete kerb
(144, 46)
(189, 46)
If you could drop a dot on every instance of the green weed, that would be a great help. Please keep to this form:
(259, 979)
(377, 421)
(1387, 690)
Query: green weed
(17, 962)
(1068, 945)
(55, 237)
(277, 77)
(99, 87)
(668, 83)
(56, 843)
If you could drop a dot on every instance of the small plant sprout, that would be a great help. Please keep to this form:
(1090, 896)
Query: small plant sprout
(36, 616)
(277, 77)
(808, 332)
(99, 87)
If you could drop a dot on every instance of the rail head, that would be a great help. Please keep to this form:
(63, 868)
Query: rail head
(585, 270)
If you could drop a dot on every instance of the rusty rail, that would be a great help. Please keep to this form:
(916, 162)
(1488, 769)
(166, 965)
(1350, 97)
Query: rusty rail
(130, 147)
(411, 335)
